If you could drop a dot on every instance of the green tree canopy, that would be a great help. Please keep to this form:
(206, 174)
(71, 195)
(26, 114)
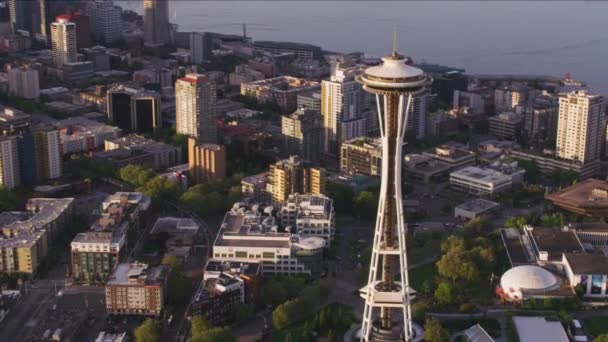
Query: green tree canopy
(444, 293)
(365, 204)
(8, 199)
(601, 338)
(342, 195)
(148, 331)
(434, 332)
(199, 325)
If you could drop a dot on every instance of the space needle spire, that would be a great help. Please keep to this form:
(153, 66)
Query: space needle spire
(387, 313)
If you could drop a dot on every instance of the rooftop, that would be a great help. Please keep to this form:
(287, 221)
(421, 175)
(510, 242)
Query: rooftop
(507, 117)
(479, 174)
(588, 193)
(174, 225)
(126, 274)
(310, 206)
(284, 84)
(587, 263)
(236, 267)
(516, 250)
(554, 241)
(478, 205)
(425, 163)
(251, 226)
(258, 179)
(534, 329)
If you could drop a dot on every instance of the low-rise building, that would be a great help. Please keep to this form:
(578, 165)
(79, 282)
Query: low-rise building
(27, 237)
(136, 289)
(361, 156)
(251, 233)
(478, 180)
(254, 186)
(283, 90)
(590, 271)
(588, 197)
(160, 155)
(217, 297)
(423, 168)
(79, 134)
(309, 215)
(183, 235)
(506, 125)
(95, 253)
(549, 244)
(548, 162)
(474, 208)
(453, 156)
(534, 329)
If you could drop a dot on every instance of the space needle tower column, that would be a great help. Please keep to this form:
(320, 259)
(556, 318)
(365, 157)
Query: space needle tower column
(387, 292)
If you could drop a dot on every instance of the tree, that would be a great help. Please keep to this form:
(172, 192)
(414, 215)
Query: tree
(601, 338)
(444, 293)
(419, 310)
(274, 293)
(332, 336)
(148, 331)
(457, 266)
(160, 187)
(135, 175)
(293, 285)
(8, 199)
(366, 204)
(515, 222)
(217, 334)
(172, 262)
(199, 325)
(342, 195)
(434, 332)
(532, 174)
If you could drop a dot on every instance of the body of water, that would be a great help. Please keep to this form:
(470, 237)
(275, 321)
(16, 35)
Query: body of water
(514, 37)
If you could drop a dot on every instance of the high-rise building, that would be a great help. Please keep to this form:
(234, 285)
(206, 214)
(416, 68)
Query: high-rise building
(83, 28)
(9, 162)
(21, 15)
(341, 101)
(133, 109)
(310, 100)
(579, 128)
(63, 38)
(156, 22)
(303, 133)
(394, 83)
(106, 25)
(24, 82)
(206, 162)
(201, 46)
(195, 107)
(146, 116)
(47, 145)
(293, 176)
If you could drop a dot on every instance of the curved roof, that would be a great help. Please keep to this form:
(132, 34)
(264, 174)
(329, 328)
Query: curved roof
(393, 67)
(312, 242)
(527, 277)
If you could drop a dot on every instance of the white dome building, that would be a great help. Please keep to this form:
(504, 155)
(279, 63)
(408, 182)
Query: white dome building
(527, 281)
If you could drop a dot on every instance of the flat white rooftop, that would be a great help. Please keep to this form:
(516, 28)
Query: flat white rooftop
(536, 329)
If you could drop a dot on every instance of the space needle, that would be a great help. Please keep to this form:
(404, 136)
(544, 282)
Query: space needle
(387, 313)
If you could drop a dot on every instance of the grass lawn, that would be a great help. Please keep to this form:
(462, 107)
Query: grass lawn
(418, 254)
(421, 274)
(597, 325)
